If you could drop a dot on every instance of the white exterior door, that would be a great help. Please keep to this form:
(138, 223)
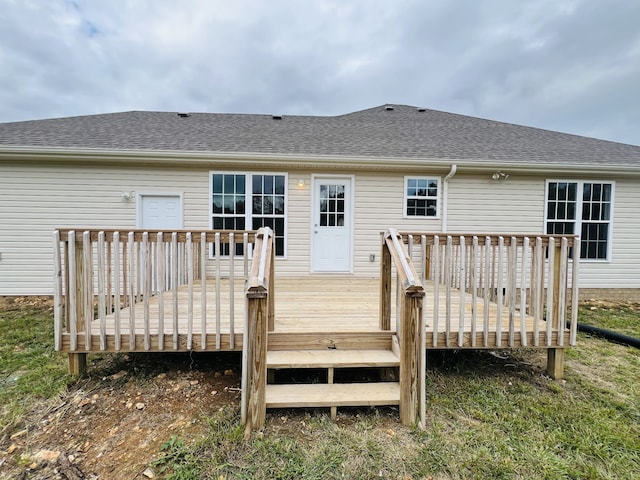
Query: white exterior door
(160, 212)
(332, 224)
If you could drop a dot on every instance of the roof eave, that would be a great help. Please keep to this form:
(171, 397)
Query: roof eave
(297, 161)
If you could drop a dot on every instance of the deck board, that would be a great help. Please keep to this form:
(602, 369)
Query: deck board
(331, 358)
(332, 395)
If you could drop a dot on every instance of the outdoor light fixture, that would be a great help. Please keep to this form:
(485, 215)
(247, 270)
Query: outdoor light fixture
(301, 183)
(500, 176)
(126, 196)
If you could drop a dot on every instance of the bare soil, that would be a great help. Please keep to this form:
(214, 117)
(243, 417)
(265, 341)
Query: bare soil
(112, 423)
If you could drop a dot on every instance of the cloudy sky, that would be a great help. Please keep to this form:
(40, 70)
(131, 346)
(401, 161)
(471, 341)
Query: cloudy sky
(567, 65)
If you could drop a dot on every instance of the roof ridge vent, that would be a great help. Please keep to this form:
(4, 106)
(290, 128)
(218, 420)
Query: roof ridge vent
(183, 114)
(276, 117)
(389, 108)
(422, 109)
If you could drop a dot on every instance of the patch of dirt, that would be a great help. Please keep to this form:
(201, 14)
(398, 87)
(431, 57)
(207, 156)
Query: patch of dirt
(113, 423)
(594, 304)
(19, 303)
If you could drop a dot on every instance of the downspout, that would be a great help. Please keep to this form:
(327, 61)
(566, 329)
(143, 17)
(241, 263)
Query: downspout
(445, 195)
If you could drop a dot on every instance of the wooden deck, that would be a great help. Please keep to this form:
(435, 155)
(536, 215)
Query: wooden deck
(322, 306)
(152, 291)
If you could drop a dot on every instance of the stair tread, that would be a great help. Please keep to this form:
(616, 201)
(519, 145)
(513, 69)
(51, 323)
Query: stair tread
(333, 395)
(327, 358)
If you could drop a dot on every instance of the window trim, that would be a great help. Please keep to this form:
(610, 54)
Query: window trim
(248, 214)
(405, 197)
(578, 220)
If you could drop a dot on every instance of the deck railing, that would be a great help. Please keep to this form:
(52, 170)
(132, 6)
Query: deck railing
(525, 283)
(101, 276)
(410, 324)
(258, 322)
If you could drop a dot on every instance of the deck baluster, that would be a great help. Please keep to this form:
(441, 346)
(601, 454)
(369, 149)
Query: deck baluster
(161, 273)
(101, 291)
(523, 291)
(174, 287)
(57, 291)
(116, 286)
(203, 290)
(190, 277)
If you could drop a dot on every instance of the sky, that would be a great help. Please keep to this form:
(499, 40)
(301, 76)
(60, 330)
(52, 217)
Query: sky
(565, 65)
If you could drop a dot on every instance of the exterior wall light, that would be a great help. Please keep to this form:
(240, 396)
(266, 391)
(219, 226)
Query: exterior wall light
(301, 183)
(500, 176)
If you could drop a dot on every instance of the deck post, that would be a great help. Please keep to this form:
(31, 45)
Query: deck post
(259, 316)
(555, 363)
(410, 340)
(385, 286)
(555, 356)
(256, 361)
(77, 363)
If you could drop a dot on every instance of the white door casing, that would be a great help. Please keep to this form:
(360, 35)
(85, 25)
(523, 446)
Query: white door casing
(160, 211)
(332, 224)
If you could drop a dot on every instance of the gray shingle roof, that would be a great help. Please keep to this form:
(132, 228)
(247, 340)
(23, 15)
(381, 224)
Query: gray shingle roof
(403, 132)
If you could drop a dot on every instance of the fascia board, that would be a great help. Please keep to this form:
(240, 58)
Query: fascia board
(221, 159)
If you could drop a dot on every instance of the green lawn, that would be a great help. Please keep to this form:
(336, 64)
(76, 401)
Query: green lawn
(30, 370)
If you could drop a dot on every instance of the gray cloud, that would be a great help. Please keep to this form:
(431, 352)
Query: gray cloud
(566, 65)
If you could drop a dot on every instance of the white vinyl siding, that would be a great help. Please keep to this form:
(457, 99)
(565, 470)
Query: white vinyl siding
(479, 204)
(34, 199)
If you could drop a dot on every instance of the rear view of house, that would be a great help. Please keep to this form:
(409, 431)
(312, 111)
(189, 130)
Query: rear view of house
(481, 219)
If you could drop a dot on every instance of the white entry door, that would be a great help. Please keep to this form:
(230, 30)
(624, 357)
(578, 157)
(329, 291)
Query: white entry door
(160, 212)
(332, 224)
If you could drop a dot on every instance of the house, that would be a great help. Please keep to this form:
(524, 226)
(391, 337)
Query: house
(262, 234)
(326, 185)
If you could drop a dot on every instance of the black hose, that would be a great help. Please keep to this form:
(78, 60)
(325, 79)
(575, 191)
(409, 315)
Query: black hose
(609, 335)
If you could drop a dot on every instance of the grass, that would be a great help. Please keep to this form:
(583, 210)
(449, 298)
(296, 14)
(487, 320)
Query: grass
(30, 369)
(487, 416)
(622, 318)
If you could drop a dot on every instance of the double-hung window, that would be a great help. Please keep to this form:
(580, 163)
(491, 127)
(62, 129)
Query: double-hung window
(421, 196)
(248, 201)
(582, 207)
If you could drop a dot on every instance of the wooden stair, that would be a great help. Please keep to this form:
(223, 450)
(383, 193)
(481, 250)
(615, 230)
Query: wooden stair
(330, 394)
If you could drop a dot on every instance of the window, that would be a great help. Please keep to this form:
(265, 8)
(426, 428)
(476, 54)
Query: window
(248, 201)
(421, 196)
(331, 205)
(583, 207)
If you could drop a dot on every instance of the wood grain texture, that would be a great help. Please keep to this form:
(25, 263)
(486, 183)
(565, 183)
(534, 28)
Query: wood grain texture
(335, 394)
(331, 358)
